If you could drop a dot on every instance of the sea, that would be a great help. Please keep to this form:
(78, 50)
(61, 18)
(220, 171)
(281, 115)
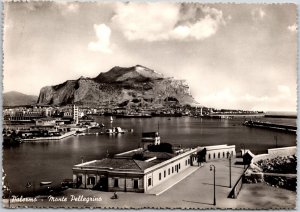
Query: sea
(53, 160)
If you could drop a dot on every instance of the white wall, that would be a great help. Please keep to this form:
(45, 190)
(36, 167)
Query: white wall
(154, 175)
(221, 151)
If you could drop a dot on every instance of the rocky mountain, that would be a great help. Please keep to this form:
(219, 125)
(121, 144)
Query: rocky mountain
(119, 86)
(14, 98)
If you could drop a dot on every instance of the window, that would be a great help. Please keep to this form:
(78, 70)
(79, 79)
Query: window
(91, 181)
(172, 169)
(223, 154)
(209, 156)
(165, 173)
(149, 182)
(219, 155)
(214, 155)
(169, 171)
(116, 183)
(135, 183)
(159, 176)
(179, 166)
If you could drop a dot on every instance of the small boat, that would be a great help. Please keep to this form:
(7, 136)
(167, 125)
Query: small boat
(119, 130)
(109, 131)
(45, 183)
(28, 185)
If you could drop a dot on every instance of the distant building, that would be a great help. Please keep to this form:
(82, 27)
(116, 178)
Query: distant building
(219, 151)
(45, 122)
(75, 114)
(150, 138)
(23, 115)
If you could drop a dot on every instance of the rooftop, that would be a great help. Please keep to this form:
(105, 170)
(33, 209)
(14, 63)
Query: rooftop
(119, 163)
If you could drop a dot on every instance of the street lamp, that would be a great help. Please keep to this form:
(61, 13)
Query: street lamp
(243, 146)
(229, 158)
(213, 168)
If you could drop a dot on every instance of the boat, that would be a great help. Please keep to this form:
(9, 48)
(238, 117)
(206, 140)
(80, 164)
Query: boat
(119, 130)
(115, 130)
(109, 131)
(81, 133)
(45, 183)
(28, 185)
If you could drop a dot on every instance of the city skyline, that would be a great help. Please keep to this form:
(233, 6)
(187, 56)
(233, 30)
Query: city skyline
(232, 56)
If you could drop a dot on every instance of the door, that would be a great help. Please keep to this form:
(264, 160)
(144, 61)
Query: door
(136, 184)
(103, 183)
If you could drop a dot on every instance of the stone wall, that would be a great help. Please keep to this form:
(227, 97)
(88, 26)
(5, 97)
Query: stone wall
(286, 151)
(276, 152)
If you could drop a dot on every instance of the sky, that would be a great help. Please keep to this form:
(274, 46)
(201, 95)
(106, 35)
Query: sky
(233, 56)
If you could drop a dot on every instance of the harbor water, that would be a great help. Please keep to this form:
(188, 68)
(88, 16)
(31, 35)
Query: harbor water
(53, 160)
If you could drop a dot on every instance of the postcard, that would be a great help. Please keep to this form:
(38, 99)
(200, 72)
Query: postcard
(165, 105)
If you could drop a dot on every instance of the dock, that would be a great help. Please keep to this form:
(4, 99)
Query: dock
(67, 134)
(272, 126)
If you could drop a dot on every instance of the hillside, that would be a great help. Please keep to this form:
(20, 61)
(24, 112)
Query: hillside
(14, 98)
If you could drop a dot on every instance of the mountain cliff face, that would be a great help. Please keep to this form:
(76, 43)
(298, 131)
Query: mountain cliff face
(120, 86)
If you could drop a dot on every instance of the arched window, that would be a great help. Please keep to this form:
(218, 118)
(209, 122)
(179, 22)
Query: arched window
(223, 154)
(218, 154)
(209, 156)
(214, 155)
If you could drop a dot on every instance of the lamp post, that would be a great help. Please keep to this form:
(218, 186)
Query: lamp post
(229, 159)
(213, 168)
(243, 146)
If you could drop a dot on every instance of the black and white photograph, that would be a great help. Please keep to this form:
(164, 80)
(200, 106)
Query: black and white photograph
(156, 105)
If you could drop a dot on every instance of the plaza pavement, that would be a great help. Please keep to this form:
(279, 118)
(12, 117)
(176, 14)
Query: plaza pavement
(193, 192)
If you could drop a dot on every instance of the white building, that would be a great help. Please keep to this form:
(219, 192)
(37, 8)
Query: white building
(140, 170)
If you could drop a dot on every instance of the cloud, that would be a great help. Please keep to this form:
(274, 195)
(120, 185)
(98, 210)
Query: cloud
(292, 28)
(165, 21)
(67, 8)
(258, 14)
(222, 98)
(146, 21)
(103, 45)
(72, 7)
(284, 90)
(283, 100)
